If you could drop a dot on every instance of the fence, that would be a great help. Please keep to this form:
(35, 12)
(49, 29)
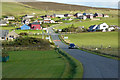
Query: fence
(102, 50)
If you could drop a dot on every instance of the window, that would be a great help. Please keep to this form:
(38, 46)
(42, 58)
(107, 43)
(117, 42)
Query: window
(3, 37)
(104, 26)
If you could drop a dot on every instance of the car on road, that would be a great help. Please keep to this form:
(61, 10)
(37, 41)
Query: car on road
(72, 46)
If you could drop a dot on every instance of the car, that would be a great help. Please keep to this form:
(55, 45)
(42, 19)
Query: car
(72, 46)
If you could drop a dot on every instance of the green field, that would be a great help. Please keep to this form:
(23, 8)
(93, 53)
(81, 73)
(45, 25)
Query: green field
(94, 40)
(88, 23)
(40, 64)
(34, 64)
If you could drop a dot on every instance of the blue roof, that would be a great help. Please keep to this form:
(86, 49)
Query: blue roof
(25, 27)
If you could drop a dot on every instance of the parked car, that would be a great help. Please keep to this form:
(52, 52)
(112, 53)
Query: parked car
(72, 46)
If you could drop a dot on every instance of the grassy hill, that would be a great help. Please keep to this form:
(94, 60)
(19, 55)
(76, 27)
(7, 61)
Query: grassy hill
(60, 6)
(41, 8)
(13, 8)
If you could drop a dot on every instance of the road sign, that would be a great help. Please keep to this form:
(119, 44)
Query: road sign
(65, 37)
(60, 30)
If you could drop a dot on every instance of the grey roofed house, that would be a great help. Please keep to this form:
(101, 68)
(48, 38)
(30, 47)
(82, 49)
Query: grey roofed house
(12, 35)
(4, 22)
(3, 34)
(9, 18)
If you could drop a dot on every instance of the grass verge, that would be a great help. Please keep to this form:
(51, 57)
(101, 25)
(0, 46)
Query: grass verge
(74, 68)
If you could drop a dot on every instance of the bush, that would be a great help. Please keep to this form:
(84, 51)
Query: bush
(28, 42)
(24, 34)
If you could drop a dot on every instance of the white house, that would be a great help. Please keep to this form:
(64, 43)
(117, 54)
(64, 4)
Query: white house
(9, 18)
(28, 16)
(52, 21)
(59, 15)
(105, 15)
(78, 14)
(111, 29)
(103, 27)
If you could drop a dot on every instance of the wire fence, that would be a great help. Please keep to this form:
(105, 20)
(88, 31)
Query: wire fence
(102, 50)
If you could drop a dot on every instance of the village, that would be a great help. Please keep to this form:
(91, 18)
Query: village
(50, 40)
(33, 22)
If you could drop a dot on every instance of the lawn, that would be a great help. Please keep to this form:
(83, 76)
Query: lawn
(96, 40)
(28, 31)
(33, 64)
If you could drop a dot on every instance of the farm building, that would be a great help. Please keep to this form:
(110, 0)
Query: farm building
(3, 34)
(35, 26)
(9, 18)
(59, 15)
(102, 27)
(25, 27)
(12, 35)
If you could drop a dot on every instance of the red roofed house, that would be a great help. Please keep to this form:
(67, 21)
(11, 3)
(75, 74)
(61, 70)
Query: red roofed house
(35, 26)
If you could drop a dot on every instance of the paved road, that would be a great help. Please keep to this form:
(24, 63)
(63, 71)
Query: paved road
(94, 66)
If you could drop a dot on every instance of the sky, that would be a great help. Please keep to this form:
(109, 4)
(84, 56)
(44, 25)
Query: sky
(92, 3)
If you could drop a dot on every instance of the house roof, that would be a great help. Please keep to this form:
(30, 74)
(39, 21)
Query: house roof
(25, 25)
(13, 33)
(4, 33)
(3, 22)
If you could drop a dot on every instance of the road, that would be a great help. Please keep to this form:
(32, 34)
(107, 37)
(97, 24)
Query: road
(94, 66)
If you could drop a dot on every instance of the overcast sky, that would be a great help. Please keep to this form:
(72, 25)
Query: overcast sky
(93, 3)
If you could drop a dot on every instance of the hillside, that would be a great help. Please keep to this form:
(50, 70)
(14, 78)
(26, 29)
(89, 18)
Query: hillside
(41, 8)
(60, 6)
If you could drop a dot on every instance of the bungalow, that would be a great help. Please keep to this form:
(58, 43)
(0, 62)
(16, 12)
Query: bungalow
(89, 15)
(48, 16)
(68, 15)
(35, 26)
(28, 16)
(104, 15)
(111, 29)
(98, 15)
(12, 35)
(4, 22)
(26, 21)
(59, 15)
(46, 20)
(9, 18)
(3, 34)
(78, 14)
(102, 27)
(83, 17)
(25, 27)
